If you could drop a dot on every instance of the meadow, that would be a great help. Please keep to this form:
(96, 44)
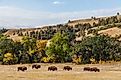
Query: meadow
(107, 72)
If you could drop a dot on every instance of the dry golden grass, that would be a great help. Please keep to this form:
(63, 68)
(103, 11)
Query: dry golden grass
(16, 38)
(111, 31)
(108, 72)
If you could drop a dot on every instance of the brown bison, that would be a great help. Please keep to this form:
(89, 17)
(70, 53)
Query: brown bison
(67, 68)
(36, 66)
(22, 68)
(87, 69)
(53, 68)
(95, 69)
(91, 69)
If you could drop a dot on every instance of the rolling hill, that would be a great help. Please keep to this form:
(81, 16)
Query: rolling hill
(103, 25)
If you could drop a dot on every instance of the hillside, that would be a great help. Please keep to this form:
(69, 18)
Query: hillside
(88, 26)
(82, 43)
(113, 32)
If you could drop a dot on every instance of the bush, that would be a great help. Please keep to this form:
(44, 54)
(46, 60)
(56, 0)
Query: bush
(93, 61)
(77, 60)
(9, 58)
(47, 60)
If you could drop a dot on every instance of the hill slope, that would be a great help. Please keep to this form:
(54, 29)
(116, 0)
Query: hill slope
(77, 26)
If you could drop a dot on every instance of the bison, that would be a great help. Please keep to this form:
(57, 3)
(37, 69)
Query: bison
(53, 68)
(22, 68)
(87, 69)
(95, 69)
(67, 68)
(91, 69)
(36, 66)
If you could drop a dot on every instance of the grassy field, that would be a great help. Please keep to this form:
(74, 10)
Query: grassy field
(108, 72)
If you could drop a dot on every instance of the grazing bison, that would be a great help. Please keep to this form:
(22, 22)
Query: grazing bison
(53, 68)
(91, 69)
(22, 68)
(87, 69)
(36, 66)
(95, 69)
(67, 68)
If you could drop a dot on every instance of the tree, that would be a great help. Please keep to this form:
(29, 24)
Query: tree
(3, 30)
(98, 48)
(59, 47)
(6, 44)
(69, 21)
(118, 13)
(29, 45)
(20, 34)
(41, 45)
(9, 58)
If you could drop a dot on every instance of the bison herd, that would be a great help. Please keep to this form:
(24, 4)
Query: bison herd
(54, 68)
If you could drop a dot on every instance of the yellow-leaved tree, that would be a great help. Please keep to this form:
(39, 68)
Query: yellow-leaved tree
(41, 44)
(9, 58)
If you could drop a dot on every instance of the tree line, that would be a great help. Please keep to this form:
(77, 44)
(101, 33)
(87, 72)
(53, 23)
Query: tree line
(62, 48)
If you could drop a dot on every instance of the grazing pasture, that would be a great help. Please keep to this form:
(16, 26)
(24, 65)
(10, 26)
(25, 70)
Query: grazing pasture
(107, 72)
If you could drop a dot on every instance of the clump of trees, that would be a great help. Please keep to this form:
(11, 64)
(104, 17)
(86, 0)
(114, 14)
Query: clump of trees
(89, 50)
(3, 30)
(62, 48)
(26, 51)
(59, 49)
(96, 49)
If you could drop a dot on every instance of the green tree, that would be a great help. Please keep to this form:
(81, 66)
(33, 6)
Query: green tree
(29, 46)
(59, 47)
(98, 48)
(6, 45)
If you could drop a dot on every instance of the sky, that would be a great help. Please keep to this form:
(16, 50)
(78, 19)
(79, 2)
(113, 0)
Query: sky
(37, 13)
